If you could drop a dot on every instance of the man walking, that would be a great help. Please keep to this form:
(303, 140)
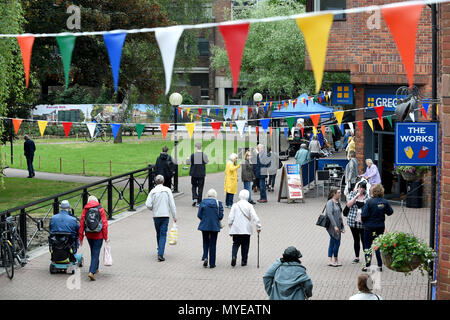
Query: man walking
(160, 201)
(165, 166)
(29, 149)
(197, 161)
(263, 164)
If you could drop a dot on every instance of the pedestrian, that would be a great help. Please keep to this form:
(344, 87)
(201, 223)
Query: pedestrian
(247, 175)
(365, 286)
(373, 216)
(242, 214)
(29, 149)
(346, 139)
(314, 149)
(302, 156)
(336, 227)
(286, 279)
(272, 169)
(165, 166)
(63, 221)
(351, 172)
(197, 161)
(263, 163)
(372, 174)
(351, 146)
(160, 201)
(231, 179)
(210, 212)
(254, 162)
(356, 201)
(94, 224)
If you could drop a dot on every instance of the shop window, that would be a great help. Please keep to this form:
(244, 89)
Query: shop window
(203, 47)
(323, 5)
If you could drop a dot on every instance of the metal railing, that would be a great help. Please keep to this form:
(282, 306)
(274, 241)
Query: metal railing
(119, 193)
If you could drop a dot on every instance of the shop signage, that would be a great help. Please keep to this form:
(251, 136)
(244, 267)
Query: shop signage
(291, 187)
(342, 94)
(389, 101)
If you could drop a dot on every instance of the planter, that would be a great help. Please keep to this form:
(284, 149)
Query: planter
(411, 176)
(408, 267)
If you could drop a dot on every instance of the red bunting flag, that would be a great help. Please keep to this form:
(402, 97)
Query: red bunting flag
(216, 127)
(235, 36)
(257, 130)
(164, 128)
(403, 25)
(26, 46)
(424, 113)
(294, 102)
(315, 119)
(234, 111)
(17, 123)
(198, 118)
(200, 111)
(359, 126)
(279, 106)
(302, 129)
(249, 111)
(379, 111)
(67, 126)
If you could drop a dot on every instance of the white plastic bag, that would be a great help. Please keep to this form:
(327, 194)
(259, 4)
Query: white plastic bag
(107, 257)
(173, 234)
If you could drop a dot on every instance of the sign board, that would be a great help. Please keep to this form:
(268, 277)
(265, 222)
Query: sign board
(416, 144)
(342, 94)
(291, 185)
(389, 101)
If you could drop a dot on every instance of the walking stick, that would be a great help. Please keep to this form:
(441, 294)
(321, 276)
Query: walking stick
(257, 265)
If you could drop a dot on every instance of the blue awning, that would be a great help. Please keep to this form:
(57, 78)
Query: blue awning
(303, 109)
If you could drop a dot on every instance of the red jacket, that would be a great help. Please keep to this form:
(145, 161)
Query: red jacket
(103, 234)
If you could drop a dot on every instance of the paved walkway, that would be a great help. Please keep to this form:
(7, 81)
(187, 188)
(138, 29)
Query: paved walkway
(136, 273)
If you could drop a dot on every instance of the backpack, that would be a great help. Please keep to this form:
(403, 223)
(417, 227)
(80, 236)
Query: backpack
(93, 220)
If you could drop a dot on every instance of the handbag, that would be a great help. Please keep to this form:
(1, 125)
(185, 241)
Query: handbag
(107, 257)
(221, 223)
(346, 211)
(323, 220)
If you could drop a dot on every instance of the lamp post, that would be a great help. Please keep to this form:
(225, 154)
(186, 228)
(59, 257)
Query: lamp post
(175, 100)
(257, 97)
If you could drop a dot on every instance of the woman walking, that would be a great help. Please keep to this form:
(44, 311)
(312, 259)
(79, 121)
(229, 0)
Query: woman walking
(94, 216)
(248, 175)
(365, 286)
(356, 201)
(373, 217)
(210, 212)
(242, 214)
(231, 177)
(336, 227)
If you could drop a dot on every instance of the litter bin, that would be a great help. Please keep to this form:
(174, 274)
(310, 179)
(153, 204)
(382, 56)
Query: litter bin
(414, 194)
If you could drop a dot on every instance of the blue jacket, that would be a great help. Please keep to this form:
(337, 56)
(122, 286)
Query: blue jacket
(209, 215)
(374, 211)
(64, 222)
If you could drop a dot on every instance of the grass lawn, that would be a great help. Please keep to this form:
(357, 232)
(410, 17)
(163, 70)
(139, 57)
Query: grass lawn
(106, 159)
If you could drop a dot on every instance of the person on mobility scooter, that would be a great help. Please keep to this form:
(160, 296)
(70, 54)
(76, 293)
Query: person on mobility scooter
(63, 240)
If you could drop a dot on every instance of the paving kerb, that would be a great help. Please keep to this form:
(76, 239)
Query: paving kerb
(136, 273)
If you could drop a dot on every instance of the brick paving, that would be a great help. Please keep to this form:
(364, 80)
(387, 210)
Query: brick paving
(136, 273)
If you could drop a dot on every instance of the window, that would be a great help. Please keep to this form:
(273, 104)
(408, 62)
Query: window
(322, 5)
(203, 47)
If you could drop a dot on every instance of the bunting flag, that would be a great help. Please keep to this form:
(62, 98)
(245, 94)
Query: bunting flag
(234, 111)
(379, 110)
(192, 117)
(91, 127)
(26, 46)
(339, 115)
(67, 126)
(425, 105)
(424, 113)
(42, 125)
(342, 128)
(249, 111)
(286, 132)
(322, 128)
(315, 119)
(231, 127)
(164, 129)
(411, 115)
(350, 124)
(188, 110)
(167, 39)
(314, 131)
(360, 126)
(242, 112)
(216, 127)
(114, 43)
(381, 121)
(390, 120)
(66, 45)
(235, 36)
(200, 111)
(264, 124)
(257, 130)
(403, 27)
(270, 131)
(190, 128)
(241, 126)
(332, 130)
(302, 129)
(217, 112)
(291, 121)
(370, 123)
(207, 111)
(115, 129)
(315, 32)
(139, 129)
(16, 124)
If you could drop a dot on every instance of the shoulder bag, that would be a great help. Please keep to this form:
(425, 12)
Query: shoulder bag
(323, 220)
(221, 223)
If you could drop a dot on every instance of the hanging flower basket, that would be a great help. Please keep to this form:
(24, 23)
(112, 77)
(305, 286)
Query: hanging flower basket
(407, 267)
(411, 176)
(411, 173)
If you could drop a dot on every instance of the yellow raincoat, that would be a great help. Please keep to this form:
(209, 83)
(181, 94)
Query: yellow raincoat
(231, 177)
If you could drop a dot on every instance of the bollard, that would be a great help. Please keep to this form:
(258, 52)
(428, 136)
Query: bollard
(84, 167)
(110, 168)
(60, 165)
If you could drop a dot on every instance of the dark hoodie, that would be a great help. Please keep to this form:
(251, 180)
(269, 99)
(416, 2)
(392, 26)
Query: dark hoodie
(164, 165)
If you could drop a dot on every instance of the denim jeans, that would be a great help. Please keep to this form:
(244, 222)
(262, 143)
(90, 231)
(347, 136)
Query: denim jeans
(262, 186)
(333, 248)
(248, 186)
(96, 247)
(209, 246)
(30, 165)
(243, 241)
(229, 199)
(161, 226)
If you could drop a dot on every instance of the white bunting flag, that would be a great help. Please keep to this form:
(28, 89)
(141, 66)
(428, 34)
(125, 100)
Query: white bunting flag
(207, 111)
(91, 127)
(241, 126)
(411, 115)
(350, 124)
(167, 39)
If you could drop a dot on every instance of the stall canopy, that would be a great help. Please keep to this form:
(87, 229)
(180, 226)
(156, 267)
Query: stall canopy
(303, 109)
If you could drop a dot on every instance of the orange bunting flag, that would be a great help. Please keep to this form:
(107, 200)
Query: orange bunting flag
(67, 126)
(424, 113)
(164, 128)
(381, 121)
(270, 130)
(315, 119)
(26, 46)
(17, 123)
(323, 129)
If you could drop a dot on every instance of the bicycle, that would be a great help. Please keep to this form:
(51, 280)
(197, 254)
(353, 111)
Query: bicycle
(101, 132)
(7, 255)
(12, 247)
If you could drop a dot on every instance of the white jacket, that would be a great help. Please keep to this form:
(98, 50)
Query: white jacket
(240, 224)
(160, 201)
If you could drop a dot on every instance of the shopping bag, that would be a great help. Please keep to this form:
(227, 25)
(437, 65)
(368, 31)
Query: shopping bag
(173, 235)
(107, 257)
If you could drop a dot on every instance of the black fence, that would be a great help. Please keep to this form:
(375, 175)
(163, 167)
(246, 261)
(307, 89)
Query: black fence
(115, 194)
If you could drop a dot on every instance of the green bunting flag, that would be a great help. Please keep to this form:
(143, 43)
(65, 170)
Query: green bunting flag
(290, 121)
(66, 45)
(332, 130)
(139, 129)
(390, 120)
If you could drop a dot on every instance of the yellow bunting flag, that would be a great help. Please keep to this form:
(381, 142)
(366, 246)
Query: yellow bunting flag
(192, 116)
(190, 128)
(42, 125)
(315, 131)
(315, 31)
(187, 110)
(339, 115)
(370, 123)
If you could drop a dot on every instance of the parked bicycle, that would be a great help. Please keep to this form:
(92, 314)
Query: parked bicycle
(100, 133)
(12, 247)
